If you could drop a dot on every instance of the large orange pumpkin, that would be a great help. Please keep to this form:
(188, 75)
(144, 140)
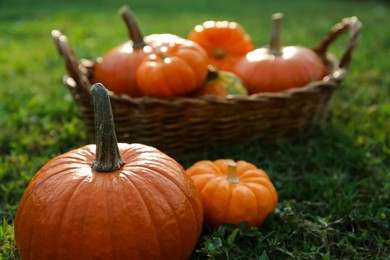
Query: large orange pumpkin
(225, 42)
(275, 68)
(176, 69)
(233, 192)
(109, 202)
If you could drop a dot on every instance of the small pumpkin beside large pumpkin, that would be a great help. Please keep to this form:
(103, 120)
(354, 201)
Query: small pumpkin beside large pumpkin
(173, 69)
(233, 192)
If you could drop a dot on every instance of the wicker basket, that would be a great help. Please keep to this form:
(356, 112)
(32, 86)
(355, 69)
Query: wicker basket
(181, 124)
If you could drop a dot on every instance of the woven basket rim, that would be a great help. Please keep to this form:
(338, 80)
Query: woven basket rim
(335, 76)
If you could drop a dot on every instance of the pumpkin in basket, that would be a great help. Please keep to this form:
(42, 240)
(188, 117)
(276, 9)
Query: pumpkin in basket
(174, 69)
(275, 68)
(233, 192)
(109, 201)
(221, 83)
(117, 68)
(225, 42)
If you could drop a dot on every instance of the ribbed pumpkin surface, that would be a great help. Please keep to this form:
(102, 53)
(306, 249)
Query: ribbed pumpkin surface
(149, 209)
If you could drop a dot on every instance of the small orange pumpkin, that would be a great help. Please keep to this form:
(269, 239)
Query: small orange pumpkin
(178, 68)
(225, 42)
(273, 68)
(109, 201)
(233, 192)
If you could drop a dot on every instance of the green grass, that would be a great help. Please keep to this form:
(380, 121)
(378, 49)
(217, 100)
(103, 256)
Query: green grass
(333, 185)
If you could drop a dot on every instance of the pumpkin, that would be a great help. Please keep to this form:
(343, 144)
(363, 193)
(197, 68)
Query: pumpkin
(117, 68)
(225, 42)
(221, 83)
(233, 192)
(275, 68)
(176, 69)
(109, 201)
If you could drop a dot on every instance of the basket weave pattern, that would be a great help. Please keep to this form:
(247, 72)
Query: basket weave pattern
(181, 124)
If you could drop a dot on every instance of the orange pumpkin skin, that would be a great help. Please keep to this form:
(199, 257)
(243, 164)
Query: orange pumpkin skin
(116, 69)
(263, 71)
(175, 70)
(109, 201)
(226, 202)
(225, 42)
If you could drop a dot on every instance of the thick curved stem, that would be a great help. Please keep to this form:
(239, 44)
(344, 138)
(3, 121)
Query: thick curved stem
(275, 45)
(108, 158)
(232, 172)
(134, 31)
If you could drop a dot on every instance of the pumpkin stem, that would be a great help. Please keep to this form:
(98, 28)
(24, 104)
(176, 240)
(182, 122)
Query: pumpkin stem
(219, 53)
(134, 31)
(232, 172)
(275, 46)
(108, 158)
(212, 73)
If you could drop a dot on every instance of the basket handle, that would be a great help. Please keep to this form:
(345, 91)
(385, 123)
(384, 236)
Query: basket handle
(75, 69)
(351, 24)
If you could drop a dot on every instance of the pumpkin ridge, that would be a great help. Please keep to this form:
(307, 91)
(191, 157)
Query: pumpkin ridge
(157, 168)
(52, 164)
(109, 218)
(308, 65)
(64, 210)
(202, 178)
(179, 78)
(227, 205)
(22, 225)
(214, 190)
(131, 182)
(232, 190)
(210, 183)
(262, 209)
(249, 188)
(254, 179)
(253, 174)
(177, 224)
(200, 167)
(25, 202)
(41, 180)
(173, 181)
(84, 221)
(33, 233)
(127, 206)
